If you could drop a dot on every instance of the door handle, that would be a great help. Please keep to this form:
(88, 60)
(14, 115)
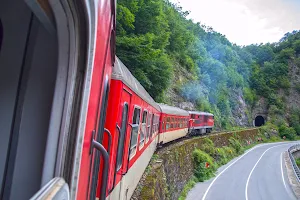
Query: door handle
(99, 147)
(109, 140)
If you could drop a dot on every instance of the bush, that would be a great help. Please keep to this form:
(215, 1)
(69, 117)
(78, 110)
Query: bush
(287, 132)
(297, 129)
(221, 156)
(201, 172)
(236, 145)
(208, 146)
(297, 161)
(190, 184)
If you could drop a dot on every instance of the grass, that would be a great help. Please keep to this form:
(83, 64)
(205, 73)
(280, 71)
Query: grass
(190, 184)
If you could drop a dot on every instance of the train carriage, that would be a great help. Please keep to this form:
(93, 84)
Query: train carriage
(56, 58)
(132, 120)
(200, 122)
(174, 123)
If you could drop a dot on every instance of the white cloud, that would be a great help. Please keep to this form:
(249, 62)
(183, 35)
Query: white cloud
(246, 21)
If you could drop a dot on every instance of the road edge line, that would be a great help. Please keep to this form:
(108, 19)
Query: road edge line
(210, 185)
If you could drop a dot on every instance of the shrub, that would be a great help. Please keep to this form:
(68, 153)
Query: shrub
(287, 132)
(297, 129)
(236, 145)
(208, 146)
(190, 184)
(201, 172)
(297, 161)
(221, 156)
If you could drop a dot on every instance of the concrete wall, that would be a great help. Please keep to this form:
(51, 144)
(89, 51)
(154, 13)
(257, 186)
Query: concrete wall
(166, 176)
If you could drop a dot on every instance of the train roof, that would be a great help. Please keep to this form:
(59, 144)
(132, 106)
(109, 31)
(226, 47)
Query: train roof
(200, 113)
(172, 110)
(120, 72)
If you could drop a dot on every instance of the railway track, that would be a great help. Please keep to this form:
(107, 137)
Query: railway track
(189, 137)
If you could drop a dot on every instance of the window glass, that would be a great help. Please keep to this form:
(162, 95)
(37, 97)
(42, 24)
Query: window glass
(144, 128)
(122, 136)
(134, 130)
(144, 117)
(153, 124)
(149, 125)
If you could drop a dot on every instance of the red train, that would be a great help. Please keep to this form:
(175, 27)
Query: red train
(75, 123)
(137, 124)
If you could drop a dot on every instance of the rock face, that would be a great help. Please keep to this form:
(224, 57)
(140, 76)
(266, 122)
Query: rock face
(165, 177)
(293, 98)
(241, 111)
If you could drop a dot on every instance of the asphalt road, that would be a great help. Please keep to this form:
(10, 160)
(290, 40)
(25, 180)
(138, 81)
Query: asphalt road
(259, 174)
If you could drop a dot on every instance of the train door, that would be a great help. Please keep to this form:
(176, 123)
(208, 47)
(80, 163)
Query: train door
(122, 161)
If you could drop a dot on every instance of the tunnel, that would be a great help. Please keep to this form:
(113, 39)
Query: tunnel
(259, 120)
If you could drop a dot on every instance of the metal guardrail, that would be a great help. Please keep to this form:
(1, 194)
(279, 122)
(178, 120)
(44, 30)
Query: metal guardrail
(296, 169)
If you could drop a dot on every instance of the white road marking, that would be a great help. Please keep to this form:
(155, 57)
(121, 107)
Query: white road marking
(247, 183)
(282, 175)
(206, 192)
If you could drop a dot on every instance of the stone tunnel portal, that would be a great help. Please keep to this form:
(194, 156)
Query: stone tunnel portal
(259, 121)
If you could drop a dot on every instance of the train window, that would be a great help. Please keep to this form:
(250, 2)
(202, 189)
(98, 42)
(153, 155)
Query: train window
(153, 123)
(144, 129)
(122, 136)
(149, 126)
(134, 130)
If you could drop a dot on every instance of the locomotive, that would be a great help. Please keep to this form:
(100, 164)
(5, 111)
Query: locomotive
(75, 123)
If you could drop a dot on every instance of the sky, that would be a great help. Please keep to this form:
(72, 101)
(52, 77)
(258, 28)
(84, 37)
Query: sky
(246, 22)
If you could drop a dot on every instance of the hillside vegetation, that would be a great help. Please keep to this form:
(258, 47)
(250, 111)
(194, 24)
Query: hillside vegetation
(178, 60)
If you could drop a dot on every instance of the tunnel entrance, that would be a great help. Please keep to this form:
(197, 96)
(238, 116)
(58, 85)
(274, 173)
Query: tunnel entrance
(259, 120)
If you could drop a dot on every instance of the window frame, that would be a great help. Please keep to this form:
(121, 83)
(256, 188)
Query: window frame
(143, 125)
(118, 167)
(131, 153)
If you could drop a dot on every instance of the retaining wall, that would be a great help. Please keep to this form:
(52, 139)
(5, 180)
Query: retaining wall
(166, 176)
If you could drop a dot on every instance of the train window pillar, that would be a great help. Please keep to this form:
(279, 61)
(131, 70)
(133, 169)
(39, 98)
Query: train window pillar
(152, 125)
(134, 131)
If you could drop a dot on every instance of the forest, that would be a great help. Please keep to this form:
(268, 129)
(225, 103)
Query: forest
(179, 60)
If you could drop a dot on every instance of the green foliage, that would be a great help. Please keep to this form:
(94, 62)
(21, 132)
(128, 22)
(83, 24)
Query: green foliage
(294, 121)
(208, 147)
(250, 96)
(222, 156)
(288, 132)
(236, 145)
(155, 36)
(286, 54)
(297, 161)
(201, 172)
(190, 184)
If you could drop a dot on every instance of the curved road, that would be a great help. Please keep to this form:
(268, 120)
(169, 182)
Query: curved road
(258, 174)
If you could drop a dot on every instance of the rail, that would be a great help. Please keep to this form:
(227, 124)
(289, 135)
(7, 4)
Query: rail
(296, 169)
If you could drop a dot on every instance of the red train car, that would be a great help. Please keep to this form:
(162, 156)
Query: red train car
(133, 121)
(173, 123)
(200, 122)
(56, 60)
